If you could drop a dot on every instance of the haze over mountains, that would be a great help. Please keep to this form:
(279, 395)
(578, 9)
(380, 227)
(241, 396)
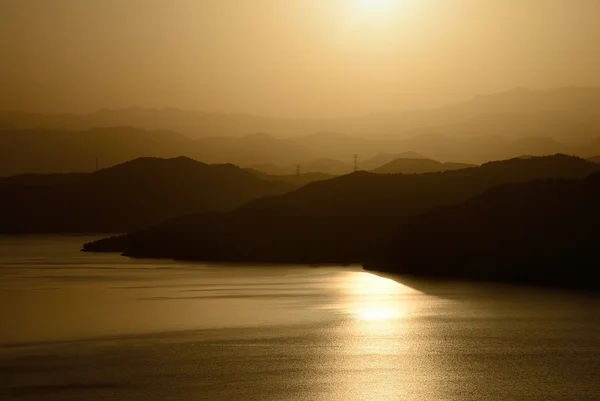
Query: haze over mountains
(553, 113)
(495, 127)
(294, 197)
(334, 221)
(418, 166)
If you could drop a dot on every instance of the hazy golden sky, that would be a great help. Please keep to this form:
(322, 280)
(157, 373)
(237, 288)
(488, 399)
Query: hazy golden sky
(288, 57)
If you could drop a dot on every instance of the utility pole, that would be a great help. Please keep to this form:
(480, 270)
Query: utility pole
(298, 170)
(355, 162)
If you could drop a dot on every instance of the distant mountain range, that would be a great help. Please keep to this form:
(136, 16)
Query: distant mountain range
(384, 158)
(46, 151)
(340, 220)
(568, 115)
(418, 166)
(495, 127)
(127, 196)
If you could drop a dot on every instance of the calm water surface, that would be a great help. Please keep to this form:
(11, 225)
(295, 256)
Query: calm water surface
(77, 326)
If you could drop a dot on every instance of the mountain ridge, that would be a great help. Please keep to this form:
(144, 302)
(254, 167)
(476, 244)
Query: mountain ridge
(126, 197)
(332, 221)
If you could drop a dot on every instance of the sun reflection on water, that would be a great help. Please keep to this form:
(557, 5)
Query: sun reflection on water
(374, 347)
(376, 313)
(376, 299)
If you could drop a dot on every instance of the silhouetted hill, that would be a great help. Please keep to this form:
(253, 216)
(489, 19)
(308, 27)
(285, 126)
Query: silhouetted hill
(128, 196)
(544, 231)
(333, 221)
(595, 159)
(418, 166)
(384, 158)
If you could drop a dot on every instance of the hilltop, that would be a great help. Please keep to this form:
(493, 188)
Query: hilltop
(126, 197)
(418, 166)
(334, 221)
(542, 232)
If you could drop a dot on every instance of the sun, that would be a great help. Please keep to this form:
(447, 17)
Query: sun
(376, 11)
(379, 6)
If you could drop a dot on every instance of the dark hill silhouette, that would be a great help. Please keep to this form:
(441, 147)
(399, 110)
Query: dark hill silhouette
(543, 232)
(128, 196)
(595, 159)
(418, 166)
(333, 221)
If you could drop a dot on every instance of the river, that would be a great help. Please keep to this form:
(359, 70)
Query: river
(78, 326)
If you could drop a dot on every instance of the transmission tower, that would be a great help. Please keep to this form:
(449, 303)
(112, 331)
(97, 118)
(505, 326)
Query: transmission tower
(355, 162)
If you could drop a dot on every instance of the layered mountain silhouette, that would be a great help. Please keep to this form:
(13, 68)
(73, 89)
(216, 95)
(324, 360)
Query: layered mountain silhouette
(47, 151)
(339, 220)
(562, 111)
(418, 166)
(542, 232)
(494, 127)
(384, 158)
(128, 196)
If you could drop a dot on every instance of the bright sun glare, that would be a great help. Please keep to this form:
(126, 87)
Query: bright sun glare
(377, 11)
(376, 298)
(376, 5)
